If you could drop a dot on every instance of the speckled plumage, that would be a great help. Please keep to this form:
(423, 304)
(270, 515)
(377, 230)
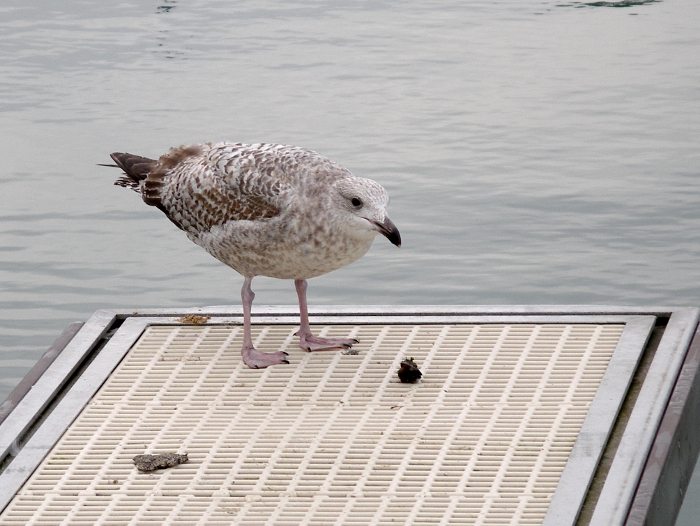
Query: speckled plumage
(265, 209)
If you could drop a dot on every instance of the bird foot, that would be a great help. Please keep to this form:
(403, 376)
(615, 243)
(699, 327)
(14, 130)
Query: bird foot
(259, 360)
(309, 342)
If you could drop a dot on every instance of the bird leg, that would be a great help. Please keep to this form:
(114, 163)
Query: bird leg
(308, 341)
(251, 357)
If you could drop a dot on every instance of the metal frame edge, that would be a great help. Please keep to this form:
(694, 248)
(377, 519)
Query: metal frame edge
(68, 408)
(625, 472)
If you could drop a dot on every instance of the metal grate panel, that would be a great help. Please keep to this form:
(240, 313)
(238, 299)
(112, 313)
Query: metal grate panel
(332, 438)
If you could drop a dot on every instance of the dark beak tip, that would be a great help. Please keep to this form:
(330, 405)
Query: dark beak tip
(389, 230)
(395, 239)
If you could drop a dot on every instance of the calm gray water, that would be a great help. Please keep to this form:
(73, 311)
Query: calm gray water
(535, 152)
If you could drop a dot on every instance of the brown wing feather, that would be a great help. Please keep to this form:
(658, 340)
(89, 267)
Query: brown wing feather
(194, 196)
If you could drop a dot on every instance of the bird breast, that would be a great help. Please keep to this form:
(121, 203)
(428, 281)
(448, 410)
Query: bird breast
(281, 248)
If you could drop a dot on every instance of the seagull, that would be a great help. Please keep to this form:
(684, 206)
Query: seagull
(265, 210)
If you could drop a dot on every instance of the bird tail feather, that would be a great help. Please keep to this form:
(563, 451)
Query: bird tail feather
(136, 169)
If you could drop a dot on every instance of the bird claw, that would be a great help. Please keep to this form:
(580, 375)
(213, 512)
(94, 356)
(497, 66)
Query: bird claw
(311, 343)
(259, 360)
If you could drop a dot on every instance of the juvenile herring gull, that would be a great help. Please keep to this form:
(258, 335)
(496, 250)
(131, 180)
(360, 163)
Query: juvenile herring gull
(265, 210)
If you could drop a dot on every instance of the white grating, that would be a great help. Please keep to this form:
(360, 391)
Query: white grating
(331, 438)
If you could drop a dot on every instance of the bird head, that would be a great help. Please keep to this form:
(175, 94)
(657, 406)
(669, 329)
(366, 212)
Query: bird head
(362, 205)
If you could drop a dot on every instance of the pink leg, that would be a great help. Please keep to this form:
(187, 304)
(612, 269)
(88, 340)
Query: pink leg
(308, 341)
(251, 357)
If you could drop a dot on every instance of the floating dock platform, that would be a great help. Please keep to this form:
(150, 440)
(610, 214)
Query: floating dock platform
(524, 415)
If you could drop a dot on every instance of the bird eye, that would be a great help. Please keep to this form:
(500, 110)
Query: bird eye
(356, 202)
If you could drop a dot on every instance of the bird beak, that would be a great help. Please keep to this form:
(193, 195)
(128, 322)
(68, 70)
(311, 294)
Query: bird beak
(389, 230)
